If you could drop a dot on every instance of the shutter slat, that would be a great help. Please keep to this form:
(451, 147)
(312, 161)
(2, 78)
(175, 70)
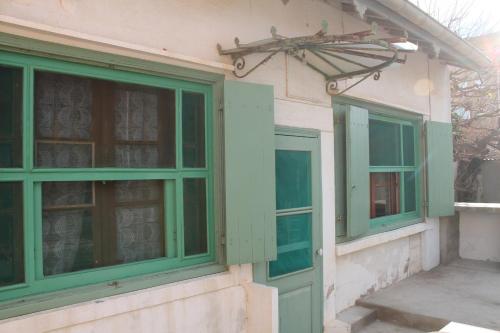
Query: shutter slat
(250, 174)
(440, 170)
(357, 165)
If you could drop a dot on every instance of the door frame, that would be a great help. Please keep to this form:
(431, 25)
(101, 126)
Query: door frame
(318, 193)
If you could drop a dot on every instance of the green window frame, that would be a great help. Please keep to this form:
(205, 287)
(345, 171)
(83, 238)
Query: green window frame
(384, 222)
(362, 227)
(32, 178)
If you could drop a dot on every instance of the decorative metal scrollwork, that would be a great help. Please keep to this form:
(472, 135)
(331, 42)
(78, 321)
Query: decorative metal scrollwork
(337, 57)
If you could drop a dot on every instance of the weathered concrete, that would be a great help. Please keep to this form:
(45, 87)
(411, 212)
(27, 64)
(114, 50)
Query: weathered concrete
(373, 268)
(383, 327)
(357, 317)
(449, 236)
(464, 291)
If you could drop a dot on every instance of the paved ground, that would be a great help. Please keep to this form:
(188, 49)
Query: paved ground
(383, 327)
(464, 291)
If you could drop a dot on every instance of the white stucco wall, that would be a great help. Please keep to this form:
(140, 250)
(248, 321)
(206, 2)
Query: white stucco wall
(479, 234)
(193, 28)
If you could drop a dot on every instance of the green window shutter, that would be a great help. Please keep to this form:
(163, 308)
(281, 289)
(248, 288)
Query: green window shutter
(250, 173)
(357, 163)
(440, 170)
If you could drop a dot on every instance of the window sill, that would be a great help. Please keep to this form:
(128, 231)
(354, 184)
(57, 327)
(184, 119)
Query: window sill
(94, 294)
(378, 239)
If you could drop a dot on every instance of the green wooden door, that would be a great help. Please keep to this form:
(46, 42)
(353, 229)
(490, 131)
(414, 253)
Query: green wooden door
(297, 272)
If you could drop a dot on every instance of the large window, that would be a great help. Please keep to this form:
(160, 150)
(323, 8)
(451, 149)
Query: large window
(104, 174)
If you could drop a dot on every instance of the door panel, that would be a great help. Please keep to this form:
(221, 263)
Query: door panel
(297, 271)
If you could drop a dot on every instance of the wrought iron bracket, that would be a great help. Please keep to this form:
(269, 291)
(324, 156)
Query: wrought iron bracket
(337, 57)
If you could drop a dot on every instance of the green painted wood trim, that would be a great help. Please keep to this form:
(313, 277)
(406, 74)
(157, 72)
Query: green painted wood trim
(440, 170)
(77, 295)
(302, 139)
(378, 109)
(32, 177)
(357, 175)
(250, 172)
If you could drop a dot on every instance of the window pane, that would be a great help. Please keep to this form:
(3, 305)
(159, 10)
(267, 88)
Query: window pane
(384, 194)
(11, 103)
(195, 216)
(408, 146)
(84, 122)
(385, 143)
(96, 224)
(11, 234)
(293, 179)
(410, 192)
(193, 130)
(294, 244)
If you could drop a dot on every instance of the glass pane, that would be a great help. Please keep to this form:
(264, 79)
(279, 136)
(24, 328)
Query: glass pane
(410, 192)
(408, 146)
(11, 104)
(293, 179)
(384, 194)
(193, 130)
(83, 122)
(96, 224)
(195, 216)
(385, 143)
(294, 244)
(11, 234)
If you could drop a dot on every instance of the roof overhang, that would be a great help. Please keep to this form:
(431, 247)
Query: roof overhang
(401, 16)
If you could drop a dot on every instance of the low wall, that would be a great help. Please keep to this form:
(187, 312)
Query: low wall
(479, 231)
(375, 262)
(221, 303)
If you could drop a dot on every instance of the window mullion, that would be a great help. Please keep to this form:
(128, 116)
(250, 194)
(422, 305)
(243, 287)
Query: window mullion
(171, 227)
(179, 206)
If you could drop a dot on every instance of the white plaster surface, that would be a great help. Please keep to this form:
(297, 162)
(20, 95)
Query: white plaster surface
(430, 244)
(479, 235)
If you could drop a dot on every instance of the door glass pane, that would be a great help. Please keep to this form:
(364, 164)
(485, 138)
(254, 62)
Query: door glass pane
(385, 143)
(293, 179)
(408, 146)
(11, 103)
(384, 194)
(84, 122)
(96, 224)
(195, 216)
(11, 234)
(193, 130)
(294, 244)
(410, 192)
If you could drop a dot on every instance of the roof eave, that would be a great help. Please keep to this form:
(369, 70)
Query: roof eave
(420, 24)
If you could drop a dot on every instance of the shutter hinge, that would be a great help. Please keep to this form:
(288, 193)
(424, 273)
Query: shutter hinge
(223, 240)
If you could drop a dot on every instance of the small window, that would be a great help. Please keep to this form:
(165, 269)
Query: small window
(11, 234)
(384, 194)
(84, 123)
(11, 104)
(193, 130)
(95, 224)
(393, 172)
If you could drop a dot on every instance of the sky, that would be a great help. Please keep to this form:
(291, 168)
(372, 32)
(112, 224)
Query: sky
(482, 16)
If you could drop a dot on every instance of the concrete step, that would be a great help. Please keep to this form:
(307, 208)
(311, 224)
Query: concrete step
(357, 317)
(402, 318)
(384, 327)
